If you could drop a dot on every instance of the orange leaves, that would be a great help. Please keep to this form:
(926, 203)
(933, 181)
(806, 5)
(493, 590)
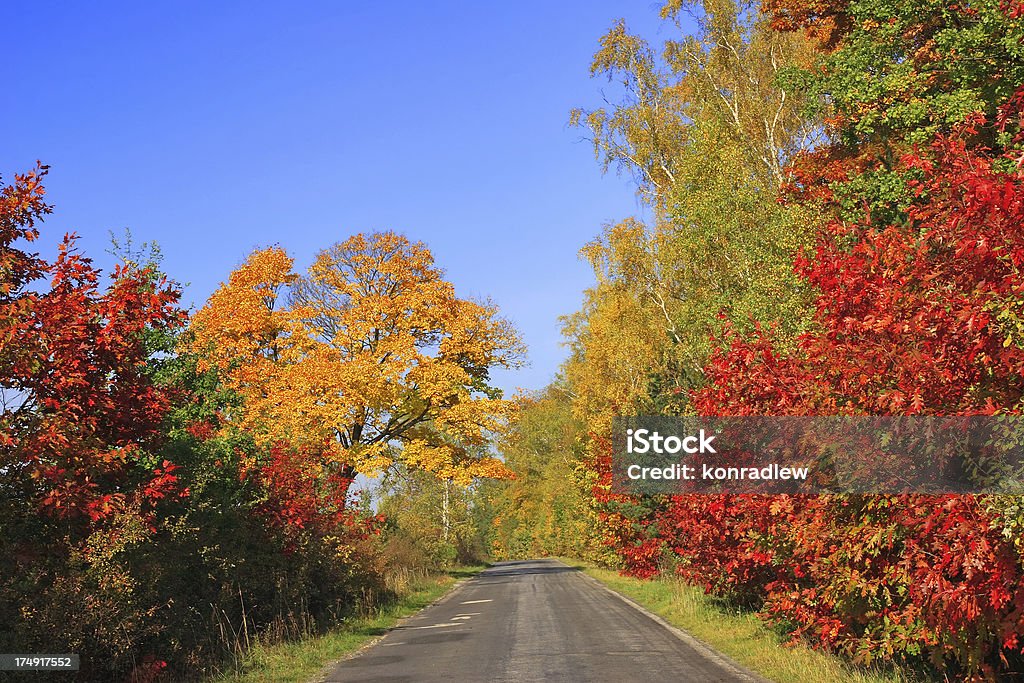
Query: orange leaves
(369, 352)
(826, 20)
(240, 319)
(21, 205)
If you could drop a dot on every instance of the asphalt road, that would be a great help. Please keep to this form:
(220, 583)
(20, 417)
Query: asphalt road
(536, 620)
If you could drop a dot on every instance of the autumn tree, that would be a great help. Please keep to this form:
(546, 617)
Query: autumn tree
(543, 511)
(369, 356)
(893, 75)
(728, 71)
(904, 71)
(79, 400)
(914, 318)
(82, 477)
(910, 226)
(706, 129)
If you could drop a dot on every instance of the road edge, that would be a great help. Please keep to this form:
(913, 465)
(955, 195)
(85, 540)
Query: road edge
(696, 643)
(325, 672)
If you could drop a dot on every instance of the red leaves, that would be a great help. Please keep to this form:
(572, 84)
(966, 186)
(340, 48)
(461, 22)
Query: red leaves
(99, 525)
(303, 500)
(773, 385)
(76, 358)
(149, 670)
(201, 430)
(922, 316)
(163, 484)
(910, 319)
(725, 544)
(1014, 9)
(828, 20)
(907, 314)
(21, 205)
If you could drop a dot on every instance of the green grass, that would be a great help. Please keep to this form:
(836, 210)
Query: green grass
(737, 634)
(303, 660)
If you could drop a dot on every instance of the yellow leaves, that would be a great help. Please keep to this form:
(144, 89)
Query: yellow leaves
(371, 350)
(240, 319)
(617, 342)
(372, 459)
(625, 327)
(473, 418)
(706, 130)
(447, 461)
(621, 254)
(264, 270)
(726, 73)
(489, 468)
(782, 505)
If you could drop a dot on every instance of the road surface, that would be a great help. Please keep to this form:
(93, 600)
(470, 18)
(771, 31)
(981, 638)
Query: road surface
(533, 621)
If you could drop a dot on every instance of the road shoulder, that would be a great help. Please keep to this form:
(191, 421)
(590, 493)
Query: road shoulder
(313, 657)
(741, 672)
(738, 637)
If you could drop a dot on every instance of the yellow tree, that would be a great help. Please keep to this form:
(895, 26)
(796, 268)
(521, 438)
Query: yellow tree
(706, 128)
(729, 71)
(369, 356)
(618, 337)
(544, 510)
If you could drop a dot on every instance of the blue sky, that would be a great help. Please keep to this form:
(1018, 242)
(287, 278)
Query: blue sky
(216, 127)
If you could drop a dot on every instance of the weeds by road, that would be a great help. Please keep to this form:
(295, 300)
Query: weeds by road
(306, 658)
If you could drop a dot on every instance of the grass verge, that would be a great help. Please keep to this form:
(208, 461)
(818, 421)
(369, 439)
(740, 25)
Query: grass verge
(737, 634)
(303, 660)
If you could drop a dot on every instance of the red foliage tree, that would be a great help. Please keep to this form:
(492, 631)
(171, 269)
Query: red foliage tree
(80, 403)
(919, 317)
(302, 501)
